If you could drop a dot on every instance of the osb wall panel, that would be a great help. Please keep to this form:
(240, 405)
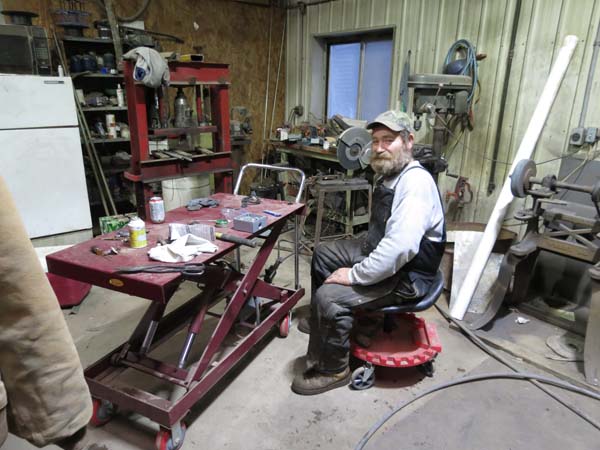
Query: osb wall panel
(232, 33)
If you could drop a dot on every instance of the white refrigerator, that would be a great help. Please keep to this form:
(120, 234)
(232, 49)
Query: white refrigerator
(40, 154)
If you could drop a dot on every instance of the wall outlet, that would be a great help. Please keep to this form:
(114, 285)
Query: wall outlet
(577, 136)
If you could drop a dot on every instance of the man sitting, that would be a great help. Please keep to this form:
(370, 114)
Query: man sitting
(397, 261)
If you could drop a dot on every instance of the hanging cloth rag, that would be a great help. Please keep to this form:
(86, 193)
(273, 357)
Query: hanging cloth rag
(150, 68)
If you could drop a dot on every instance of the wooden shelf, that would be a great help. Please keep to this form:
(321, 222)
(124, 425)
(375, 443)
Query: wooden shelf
(97, 75)
(86, 40)
(199, 83)
(181, 131)
(109, 141)
(191, 83)
(104, 108)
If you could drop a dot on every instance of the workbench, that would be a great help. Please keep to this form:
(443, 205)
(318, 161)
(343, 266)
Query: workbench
(308, 151)
(220, 280)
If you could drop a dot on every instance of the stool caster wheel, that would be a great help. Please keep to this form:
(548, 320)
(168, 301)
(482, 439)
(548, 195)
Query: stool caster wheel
(363, 377)
(102, 412)
(164, 439)
(427, 368)
(284, 325)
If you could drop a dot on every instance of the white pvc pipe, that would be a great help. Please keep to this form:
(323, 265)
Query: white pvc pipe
(505, 198)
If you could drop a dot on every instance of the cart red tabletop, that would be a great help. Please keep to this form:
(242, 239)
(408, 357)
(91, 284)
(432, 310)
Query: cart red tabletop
(80, 263)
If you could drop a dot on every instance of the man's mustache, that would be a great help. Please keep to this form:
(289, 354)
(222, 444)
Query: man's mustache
(380, 156)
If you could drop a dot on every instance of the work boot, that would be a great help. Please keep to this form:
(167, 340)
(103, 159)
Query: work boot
(304, 325)
(312, 382)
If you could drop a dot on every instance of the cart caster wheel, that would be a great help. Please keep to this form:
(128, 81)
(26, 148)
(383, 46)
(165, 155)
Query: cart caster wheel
(284, 325)
(363, 378)
(427, 368)
(102, 412)
(164, 439)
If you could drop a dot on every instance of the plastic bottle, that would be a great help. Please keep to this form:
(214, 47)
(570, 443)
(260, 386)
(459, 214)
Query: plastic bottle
(137, 233)
(120, 98)
(111, 126)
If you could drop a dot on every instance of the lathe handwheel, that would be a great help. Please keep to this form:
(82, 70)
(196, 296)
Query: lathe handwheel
(519, 179)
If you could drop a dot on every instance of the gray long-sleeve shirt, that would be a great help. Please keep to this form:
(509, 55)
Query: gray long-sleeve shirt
(416, 212)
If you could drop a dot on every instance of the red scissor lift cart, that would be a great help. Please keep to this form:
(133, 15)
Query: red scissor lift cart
(224, 285)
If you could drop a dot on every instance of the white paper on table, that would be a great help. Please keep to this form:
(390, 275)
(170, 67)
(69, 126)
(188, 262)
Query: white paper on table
(183, 249)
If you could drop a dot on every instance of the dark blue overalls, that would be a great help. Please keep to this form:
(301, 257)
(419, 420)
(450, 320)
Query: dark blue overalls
(332, 305)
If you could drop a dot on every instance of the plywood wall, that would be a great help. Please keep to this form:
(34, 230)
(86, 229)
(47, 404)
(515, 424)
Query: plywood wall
(429, 27)
(232, 33)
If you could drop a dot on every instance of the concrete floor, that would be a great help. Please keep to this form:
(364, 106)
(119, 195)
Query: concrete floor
(254, 408)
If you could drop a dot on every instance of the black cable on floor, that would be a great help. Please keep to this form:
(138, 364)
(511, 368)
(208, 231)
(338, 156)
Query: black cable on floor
(470, 379)
(486, 348)
(533, 378)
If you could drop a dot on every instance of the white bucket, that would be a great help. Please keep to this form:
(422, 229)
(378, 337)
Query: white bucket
(180, 191)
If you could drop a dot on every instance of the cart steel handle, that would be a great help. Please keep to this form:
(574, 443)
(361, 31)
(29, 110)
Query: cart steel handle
(296, 225)
(270, 167)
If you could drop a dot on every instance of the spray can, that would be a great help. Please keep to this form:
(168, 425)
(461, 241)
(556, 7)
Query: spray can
(111, 126)
(120, 98)
(157, 210)
(137, 233)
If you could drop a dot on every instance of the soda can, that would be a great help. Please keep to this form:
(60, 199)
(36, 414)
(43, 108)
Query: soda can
(157, 210)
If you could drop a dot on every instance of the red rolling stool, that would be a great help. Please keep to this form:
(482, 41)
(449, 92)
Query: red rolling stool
(404, 340)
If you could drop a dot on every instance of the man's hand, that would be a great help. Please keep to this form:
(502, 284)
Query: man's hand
(340, 276)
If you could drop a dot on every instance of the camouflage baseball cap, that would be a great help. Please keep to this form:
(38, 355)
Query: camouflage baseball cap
(394, 120)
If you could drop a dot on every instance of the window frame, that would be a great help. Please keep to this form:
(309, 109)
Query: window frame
(363, 38)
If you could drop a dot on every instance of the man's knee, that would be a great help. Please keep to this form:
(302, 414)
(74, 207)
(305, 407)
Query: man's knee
(325, 302)
(321, 253)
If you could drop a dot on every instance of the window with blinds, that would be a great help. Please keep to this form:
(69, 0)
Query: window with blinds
(358, 78)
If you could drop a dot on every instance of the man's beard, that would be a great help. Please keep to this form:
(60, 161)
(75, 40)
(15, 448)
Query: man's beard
(389, 165)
